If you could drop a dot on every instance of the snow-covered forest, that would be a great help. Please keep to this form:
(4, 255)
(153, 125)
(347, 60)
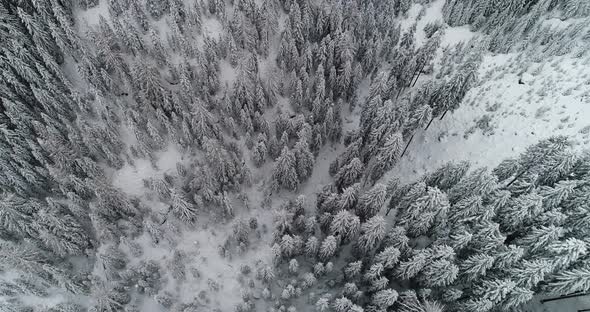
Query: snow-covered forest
(294, 155)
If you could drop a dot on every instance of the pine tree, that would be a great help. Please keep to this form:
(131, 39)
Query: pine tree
(521, 211)
(322, 305)
(439, 273)
(495, 290)
(478, 304)
(372, 233)
(540, 237)
(509, 256)
(345, 224)
(293, 266)
(109, 297)
(348, 198)
(570, 281)
(420, 216)
(157, 8)
(285, 174)
(183, 209)
(16, 215)
(396, 237)
(328, 248)
(476, 266)
(411, 267)
(447, 176)
(531, 272)
(349, 174)
(304, 160)
(565, 253)
(385, 298)
(371, 202)
(517, 297)
(388, 155)
(61, 233)
(389, 257)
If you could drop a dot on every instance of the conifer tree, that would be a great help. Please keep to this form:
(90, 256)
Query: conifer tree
(372, 233)
(345, 224)
(328, 248)
(285, 172)
(371, 202)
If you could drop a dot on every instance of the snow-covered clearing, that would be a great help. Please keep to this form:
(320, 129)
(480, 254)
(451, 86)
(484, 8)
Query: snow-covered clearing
(206, 268)
(517, 104)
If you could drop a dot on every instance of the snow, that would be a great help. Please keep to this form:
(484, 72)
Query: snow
(227, 74)
(455, 35)
(200, 241)
(130, 178)
(411, 16)
(553, 100)
(433, 13)
(520, 115)
(91, 16)
(212, 28)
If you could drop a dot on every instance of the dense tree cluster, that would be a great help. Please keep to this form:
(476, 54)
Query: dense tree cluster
(456, 239)
(518, 25)
(247, 90)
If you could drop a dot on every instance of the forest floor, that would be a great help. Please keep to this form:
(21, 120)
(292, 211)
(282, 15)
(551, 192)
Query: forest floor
(512, 108)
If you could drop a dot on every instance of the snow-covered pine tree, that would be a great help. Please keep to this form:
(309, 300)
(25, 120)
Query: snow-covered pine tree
(371, 202)
(285, 172)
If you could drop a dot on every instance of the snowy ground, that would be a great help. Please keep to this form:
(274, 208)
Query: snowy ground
(565, 305)
(514, 108)
(200, 242)
(517, 103)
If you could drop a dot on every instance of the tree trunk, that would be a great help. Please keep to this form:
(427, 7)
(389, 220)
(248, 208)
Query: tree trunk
(418, 75)
(518, 176)
(429, 123)
(527, 169)
(388, 210)
(416, 72)
(407, 145)
(399, 92)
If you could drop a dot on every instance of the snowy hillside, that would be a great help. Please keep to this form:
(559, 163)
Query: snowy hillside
(294, 155)
(516, 104)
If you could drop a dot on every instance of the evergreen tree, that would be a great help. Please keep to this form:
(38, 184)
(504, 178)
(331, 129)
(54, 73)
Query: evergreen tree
(285, 172)
(569, 281)
(157, 8)
(345, 224)
(328, 248)
(372, 233)
(371, 202)
(385, 298)
(349, 174)
(304, 160)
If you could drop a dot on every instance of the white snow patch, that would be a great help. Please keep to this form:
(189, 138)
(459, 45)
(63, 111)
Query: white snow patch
(227, 74)
(212, 28)
(455, 35)
(552, 101)
(433, 13)
(130, 178)
(91, 16)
